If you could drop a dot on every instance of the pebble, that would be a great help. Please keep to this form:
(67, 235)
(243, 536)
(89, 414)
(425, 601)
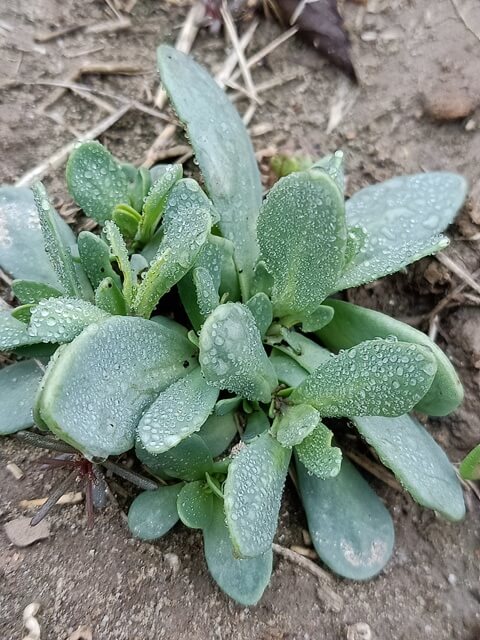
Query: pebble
(359, 631)
(21, 534)
(446, 104)
(173, 562)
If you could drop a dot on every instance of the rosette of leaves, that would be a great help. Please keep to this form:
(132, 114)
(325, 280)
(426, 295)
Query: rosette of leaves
(221, 409)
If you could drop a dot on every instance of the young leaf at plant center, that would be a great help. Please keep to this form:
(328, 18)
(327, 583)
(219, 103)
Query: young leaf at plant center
(227, 405)
(23, 312)
(127, 220)
(120, 253)
(287, 370)
(232, 356)
(470, 466)
(218, 432)
(195, 505)
(403, 219)
(378, 377)
(95, 258)
(355, 324)
(18, 385)
(295, 423)
(207, 295)
(351, 530)
(333, 165)
(62, 319)
(356, 240)
(31, 292)
(311, 322)
(156, 201)
(186, 223)
(305, 261)
(13, 333)
(22, 250)
(153, 513)
(253, 491)
(262, 280)
(96, 181)
(243, 579)
(94, 394)
(423, 469)
(189, 460)
(307, 353)
(141, 186)
(222, 148)
(109, 298)
(257, 424)
(58, 245)
(317, 455)
(177, 412)
(261, 309)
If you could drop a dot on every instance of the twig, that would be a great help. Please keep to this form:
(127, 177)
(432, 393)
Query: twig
(110, 26)
(249, 113)
(231, 62)
(15, 470)
(325, 590)
(433, 328)
(60, 156)
(53, 498)
(464, 20)
(450, 296)
(48, 36)
(159, 144)
(242, 63)
(373, 468)
(458, 271)
(71, 497)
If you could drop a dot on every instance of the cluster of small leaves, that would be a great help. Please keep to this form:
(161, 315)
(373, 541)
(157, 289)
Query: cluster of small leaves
(221, 409)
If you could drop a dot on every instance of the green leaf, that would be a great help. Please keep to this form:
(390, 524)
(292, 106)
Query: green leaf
(262, 280)
(232, 355)
(295, 424)
(177, 412)
(109, 298)
(218, 433)
(96, 181)
(189, 460)
(403, 219)
(120, 253)
(95, 394)
(58, 245)
(261, 309)
(140, 188)
(13, 333)
(351, 530)
(470, 466)
(23, 312)
(302, 236)
(227, 405)
(356, 239)
(222, 148)
(307, 353)
(195, 505)
(354, 324)
(332, 164)
(156, 201)
(153, 513)
(286, 369)
(62, 319)
(311, 322)
(127, 220)
(378, 377)
(22, 250)
(244, 580)
(186, 223)
(207, 294)
(257, 423)
(95, 258)
(31, 292)
(18, 385)
(317, 455)
(253, 491)
(423, 469)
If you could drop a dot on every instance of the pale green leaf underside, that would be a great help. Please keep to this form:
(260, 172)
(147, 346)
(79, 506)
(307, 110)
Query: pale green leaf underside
(31, 292)
(222, 148)
(195, 505)
(96, 181)
(354, 324)
(232, 355)
(423, 469)
(403, 219)
(351, 530)
(253, 491)
(317, 455)
(22, 250)
(295, 424)
(218, 432)
(153, 513)
(257, 423)
(94, 393)
(18, 386)
(302, 235)
(13, 333)
(189, 460)
(243, 579)
(378, 377)
(62, 319)
(470, 466)
(177, 412)
(286, 369)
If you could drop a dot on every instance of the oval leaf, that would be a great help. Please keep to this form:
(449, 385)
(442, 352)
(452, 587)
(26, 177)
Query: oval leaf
(253, 491)
(351, 530)
(261, 309)
(18, 387)
(232, 355)
(31, 292)
(287, 369)
(195, 505)
(156, 201)
(153, 513)
(470, 466)
(13, 333)
(423, 469)
(295, 424)
(317, 455)
(189, 460)
(62, 319)
(218, 433)
(95, 258)
(378, 377)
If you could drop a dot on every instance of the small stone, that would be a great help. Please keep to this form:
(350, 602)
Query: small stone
(21, 534)
(359, 631)
(452, 579)
(445, 104)
(82, 633)
(173, 562)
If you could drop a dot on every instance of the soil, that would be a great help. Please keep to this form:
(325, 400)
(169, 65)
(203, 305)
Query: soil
(406, 52)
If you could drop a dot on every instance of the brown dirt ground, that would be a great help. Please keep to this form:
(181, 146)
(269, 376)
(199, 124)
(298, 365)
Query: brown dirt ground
(127, 590)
